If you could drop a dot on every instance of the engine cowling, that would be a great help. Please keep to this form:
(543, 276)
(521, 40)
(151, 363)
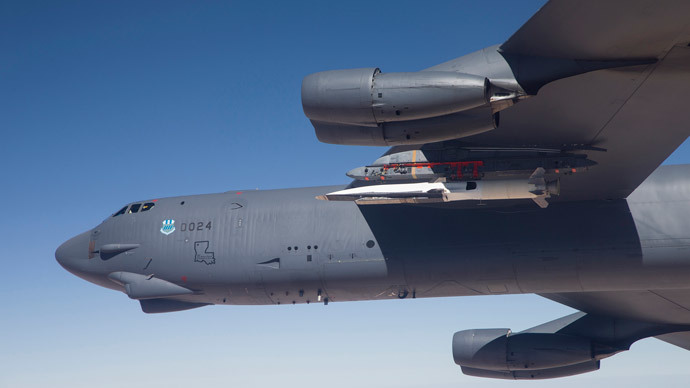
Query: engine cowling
(538, 374)
(369, 97)
(367, 107)
(499, 350)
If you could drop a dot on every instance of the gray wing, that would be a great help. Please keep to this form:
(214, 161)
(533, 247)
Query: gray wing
(638, 114)
(595, 29)
(681, 339)
(653, 306)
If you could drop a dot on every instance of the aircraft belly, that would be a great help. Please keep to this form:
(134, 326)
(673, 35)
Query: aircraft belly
(441, 250)
(582, 246)
(429, 251)
(661, 209)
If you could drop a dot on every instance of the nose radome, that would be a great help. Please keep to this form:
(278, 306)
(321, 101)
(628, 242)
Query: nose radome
(73, 250)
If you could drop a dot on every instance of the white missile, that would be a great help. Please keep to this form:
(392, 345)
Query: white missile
(535, 188)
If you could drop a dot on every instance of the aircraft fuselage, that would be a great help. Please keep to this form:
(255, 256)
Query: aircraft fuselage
(285, 246)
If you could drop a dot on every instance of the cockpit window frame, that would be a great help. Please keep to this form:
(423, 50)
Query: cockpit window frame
(121, 211)
(137, 207)
(147, 206)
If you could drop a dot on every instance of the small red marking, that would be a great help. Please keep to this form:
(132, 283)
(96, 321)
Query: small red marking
(366, 178)
(557, 171)
(239, 192)
(383, 178)
(184, 279)
(574, 170)
(155, 200)
(457, 166)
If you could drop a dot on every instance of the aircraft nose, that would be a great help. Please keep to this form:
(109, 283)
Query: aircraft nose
(72, 251)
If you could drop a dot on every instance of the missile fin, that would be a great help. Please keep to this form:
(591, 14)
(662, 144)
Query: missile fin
(541, 201)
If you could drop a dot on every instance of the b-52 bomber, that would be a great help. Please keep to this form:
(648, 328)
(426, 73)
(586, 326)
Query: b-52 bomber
(527, 167)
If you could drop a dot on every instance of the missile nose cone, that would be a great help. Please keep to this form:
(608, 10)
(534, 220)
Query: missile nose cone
(72, 251)
(356, 173)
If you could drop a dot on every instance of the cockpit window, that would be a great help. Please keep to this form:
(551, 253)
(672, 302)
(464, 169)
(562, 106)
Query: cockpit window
(135, 207)
(121, 211)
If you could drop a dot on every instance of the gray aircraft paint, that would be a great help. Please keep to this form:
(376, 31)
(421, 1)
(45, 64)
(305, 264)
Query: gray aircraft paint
(612, 244)
(285, 246)
(282, 241)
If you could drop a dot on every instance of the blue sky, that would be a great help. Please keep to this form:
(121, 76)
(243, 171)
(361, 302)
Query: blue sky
(107, 103)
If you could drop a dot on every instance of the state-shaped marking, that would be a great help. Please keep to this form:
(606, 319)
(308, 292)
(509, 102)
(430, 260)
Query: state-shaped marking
(201, 253)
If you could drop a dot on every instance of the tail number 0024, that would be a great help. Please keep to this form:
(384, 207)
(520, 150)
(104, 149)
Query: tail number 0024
(192, 226)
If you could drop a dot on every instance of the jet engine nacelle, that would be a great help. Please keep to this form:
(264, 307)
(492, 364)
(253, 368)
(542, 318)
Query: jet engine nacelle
(369, 97)
(499, 350)
(534, 374)
(367, 107)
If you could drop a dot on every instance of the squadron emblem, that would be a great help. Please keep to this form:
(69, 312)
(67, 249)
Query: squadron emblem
(168, 227)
